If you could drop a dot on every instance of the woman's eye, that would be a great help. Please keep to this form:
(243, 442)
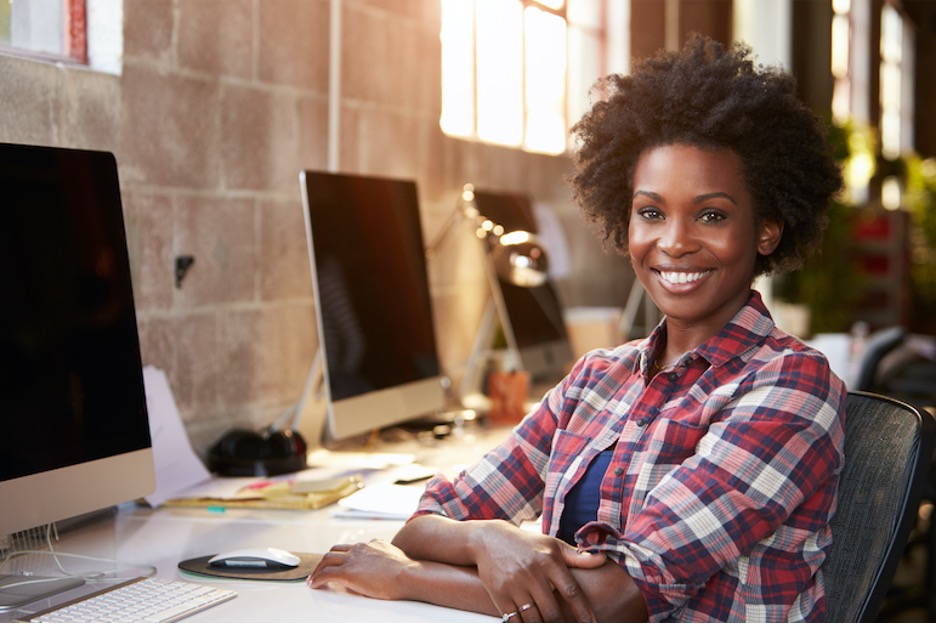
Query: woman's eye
(712, 216)
(650, 213)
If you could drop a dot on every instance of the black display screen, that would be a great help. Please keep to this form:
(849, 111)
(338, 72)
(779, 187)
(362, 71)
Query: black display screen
(371, 281)
(71, 381)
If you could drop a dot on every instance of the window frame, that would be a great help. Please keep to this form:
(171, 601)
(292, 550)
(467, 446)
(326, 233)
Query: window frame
(476, 132)
(597, 42)
(75, 44)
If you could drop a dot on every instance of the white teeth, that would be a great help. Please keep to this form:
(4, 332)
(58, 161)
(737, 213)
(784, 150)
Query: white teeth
(677, 277)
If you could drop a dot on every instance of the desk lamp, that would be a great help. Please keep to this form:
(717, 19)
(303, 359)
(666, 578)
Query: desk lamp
(517, 257)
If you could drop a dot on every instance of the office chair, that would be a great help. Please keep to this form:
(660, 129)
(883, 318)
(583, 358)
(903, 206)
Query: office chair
(879, 344)
(888, 448)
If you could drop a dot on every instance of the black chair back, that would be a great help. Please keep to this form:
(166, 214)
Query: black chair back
(888, 449)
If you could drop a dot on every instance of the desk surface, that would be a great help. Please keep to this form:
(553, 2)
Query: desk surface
(163, 537)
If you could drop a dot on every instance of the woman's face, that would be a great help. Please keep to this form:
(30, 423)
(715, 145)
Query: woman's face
(692, 236)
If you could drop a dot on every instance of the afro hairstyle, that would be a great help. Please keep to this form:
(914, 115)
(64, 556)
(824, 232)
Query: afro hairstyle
(711, 97)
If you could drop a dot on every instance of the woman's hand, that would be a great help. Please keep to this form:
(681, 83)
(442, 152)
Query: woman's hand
(371, 569)
(514, 568)
(528, 575)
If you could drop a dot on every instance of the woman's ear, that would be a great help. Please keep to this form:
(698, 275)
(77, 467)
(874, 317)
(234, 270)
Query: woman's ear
(771, 231)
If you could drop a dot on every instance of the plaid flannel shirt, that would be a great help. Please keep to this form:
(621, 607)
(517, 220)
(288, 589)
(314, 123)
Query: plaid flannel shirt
(722, 483)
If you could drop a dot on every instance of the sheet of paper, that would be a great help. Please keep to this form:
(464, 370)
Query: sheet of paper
(381, 501)
(177, 465)
(225, 488)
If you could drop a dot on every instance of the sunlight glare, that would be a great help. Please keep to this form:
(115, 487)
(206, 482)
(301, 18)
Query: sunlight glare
(500, 72)
(545, 74)
(457, 118)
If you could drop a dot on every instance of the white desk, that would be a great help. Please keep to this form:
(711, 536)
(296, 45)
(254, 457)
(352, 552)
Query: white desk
(163, 537)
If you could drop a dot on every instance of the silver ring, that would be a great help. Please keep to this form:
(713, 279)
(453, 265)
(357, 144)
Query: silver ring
(526, 607)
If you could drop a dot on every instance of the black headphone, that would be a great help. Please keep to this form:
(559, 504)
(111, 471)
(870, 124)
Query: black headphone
(246, 453)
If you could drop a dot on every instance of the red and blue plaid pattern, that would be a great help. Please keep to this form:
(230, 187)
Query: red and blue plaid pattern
(724, 476)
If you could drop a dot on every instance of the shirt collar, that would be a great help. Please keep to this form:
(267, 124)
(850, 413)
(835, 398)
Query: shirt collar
(738, 338)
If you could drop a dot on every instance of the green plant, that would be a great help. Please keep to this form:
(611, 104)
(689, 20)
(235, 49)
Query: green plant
(830, 281)
(920, 201)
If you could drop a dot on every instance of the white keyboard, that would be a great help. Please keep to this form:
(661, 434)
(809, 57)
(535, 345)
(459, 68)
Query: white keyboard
(140, 600)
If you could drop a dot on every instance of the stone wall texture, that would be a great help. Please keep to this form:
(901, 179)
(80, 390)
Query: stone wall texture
(219, 105)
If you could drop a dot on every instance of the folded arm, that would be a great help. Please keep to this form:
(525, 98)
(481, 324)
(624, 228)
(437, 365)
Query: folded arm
(486, 566)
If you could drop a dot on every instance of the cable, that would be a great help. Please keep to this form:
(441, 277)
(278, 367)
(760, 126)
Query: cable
(90, 576)
(32, 581)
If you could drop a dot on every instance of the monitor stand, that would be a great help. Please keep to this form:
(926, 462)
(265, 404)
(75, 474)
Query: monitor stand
(17, 590)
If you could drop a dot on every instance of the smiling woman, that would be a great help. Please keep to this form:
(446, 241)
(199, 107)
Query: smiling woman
(690, 475)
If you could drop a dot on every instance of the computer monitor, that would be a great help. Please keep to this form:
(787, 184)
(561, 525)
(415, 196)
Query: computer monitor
(74, 430)
(532, 317)
(373, 305)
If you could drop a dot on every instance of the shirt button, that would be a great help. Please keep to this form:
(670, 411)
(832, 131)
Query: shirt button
(641, 422)
(618, 471)
(673, 376)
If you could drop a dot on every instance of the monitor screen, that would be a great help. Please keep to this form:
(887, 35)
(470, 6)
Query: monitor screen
(74, 432)
(533, 316)
(373, 305)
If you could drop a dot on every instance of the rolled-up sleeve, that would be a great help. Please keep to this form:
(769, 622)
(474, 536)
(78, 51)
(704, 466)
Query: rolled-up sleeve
(507, 483)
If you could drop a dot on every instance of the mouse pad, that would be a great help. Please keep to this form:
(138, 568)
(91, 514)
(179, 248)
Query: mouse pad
(307, 563)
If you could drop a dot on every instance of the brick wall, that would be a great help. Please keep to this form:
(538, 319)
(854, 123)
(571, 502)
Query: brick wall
(219, 104)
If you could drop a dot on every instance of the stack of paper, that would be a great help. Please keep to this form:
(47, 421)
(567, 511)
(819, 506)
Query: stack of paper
(292, 493)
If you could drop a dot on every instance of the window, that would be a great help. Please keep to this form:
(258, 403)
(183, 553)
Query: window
(503, 72)
(45, 28)
(895, 98)
(86, 32)
(850, 105)
(841, 62)
(509, 67)
(599, 44)
(851, 34)
(896, 57)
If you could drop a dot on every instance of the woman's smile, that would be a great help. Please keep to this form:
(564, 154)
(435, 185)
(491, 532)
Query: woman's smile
(681, 278)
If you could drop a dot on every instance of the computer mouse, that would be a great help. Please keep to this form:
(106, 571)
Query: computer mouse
(270, 558)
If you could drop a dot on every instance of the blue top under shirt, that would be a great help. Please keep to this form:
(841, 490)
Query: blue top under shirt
(581, 503)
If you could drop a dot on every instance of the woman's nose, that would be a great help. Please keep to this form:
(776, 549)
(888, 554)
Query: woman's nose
(677, 239)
